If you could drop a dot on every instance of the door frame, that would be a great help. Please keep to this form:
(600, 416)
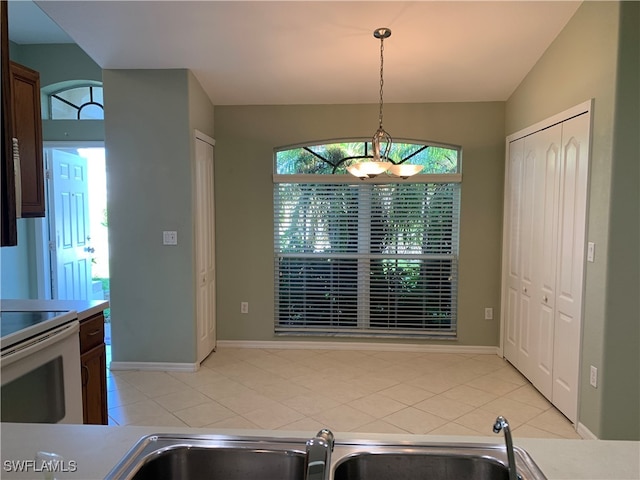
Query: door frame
(41, 230)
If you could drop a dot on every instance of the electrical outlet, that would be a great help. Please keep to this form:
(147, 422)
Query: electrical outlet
(488, 313)
(593, 377)
(244, 307)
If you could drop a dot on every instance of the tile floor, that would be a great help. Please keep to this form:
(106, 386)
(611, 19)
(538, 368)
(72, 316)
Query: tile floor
(346, 391)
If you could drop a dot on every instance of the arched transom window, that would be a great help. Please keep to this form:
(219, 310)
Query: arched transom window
(79, 102)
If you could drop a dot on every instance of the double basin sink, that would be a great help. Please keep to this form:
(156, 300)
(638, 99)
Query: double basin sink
(168, 456)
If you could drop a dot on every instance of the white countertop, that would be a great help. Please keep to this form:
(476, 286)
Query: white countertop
(96, 449)
(85, 308)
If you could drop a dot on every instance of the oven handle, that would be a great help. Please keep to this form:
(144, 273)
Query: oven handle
(58, 334)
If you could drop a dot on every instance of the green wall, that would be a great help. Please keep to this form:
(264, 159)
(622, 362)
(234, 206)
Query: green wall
(17, 264)
(149, 137)
(246, 137)
(582, 63)
(621, 351)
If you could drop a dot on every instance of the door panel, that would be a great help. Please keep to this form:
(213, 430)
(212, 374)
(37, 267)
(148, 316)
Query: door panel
(69, 227)
(547, 144)
(513, 268)
(205, 249)
(574, 179)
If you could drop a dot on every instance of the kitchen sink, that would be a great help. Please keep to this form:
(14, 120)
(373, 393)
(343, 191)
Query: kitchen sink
(432, 461)
(166, 456)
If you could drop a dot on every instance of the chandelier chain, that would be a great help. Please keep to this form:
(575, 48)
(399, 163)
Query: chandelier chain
(381, 79)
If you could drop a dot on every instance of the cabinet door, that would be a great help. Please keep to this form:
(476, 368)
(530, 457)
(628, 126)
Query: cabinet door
(27, 128)
(8, 229)
(94, 386)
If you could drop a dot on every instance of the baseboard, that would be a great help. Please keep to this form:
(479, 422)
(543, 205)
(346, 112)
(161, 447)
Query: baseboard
(155, 366)
(585, 433)
(379, 347)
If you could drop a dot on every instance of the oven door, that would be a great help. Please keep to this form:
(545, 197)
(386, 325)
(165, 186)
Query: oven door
(41, 380)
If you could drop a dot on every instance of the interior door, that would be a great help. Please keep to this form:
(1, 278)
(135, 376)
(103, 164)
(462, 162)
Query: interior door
(205, 247)
(574, 179)
(513, 270)
(526, 331)
(547, 144)
(69, 226)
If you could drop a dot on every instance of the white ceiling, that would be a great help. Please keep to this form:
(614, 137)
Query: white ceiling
(305, 52)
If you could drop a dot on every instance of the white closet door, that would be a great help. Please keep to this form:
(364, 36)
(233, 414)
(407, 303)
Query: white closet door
(547, 145)
(205, 248)
(513, 267)
(527, 332)
(570, 259)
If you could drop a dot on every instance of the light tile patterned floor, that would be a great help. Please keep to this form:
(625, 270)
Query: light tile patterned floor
(346, 391)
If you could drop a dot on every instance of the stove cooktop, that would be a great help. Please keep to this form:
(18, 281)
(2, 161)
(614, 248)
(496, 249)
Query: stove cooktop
(18, 326)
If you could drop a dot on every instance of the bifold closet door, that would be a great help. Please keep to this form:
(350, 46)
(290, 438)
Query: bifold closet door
(545, 237)
(572, 213)
(513, 268)
(538, 245)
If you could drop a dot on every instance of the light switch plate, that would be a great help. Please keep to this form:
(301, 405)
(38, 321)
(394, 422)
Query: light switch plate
(169, 238)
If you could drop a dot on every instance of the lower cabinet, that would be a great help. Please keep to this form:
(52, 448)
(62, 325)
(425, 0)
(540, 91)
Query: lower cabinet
(93, 363)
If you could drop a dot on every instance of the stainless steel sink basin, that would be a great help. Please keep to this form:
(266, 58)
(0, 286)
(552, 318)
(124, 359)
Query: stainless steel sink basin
(166, 457)
(395, 466)
(431, 461)
(163, 456)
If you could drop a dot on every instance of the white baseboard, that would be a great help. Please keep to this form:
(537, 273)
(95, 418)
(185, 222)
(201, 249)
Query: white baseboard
(380, 347)
(155, 366)
(585, 433)
(302, 345)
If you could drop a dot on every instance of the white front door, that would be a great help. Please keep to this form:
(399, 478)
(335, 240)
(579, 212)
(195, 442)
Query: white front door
(205, 247)
(69, 227)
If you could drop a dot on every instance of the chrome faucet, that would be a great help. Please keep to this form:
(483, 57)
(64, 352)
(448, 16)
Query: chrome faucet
(318, 459)
(502, 424)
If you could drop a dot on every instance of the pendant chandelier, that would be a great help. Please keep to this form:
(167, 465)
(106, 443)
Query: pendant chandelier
(381, 140)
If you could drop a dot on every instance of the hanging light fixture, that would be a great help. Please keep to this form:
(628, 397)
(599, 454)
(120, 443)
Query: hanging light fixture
(381, 141)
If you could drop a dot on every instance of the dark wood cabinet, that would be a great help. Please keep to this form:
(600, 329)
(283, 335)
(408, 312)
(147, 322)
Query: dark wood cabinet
(93, 362)
(27, 128)
(8, 229)
(21, 119)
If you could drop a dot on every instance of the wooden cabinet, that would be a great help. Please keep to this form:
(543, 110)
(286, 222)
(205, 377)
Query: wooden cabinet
(21, 119)
(8, 229)
(93, 361)
(27, 128)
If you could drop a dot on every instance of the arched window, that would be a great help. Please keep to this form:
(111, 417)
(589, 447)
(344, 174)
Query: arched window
(77, 102)
(366, 257)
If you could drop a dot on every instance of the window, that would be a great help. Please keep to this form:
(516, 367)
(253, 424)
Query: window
(77, 103)
(375, 257)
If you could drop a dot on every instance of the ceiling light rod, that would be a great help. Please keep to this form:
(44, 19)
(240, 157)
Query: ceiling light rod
(381, 162)
(381, 136)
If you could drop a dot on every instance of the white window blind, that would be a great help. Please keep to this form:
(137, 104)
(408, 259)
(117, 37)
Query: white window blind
(366, 258)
